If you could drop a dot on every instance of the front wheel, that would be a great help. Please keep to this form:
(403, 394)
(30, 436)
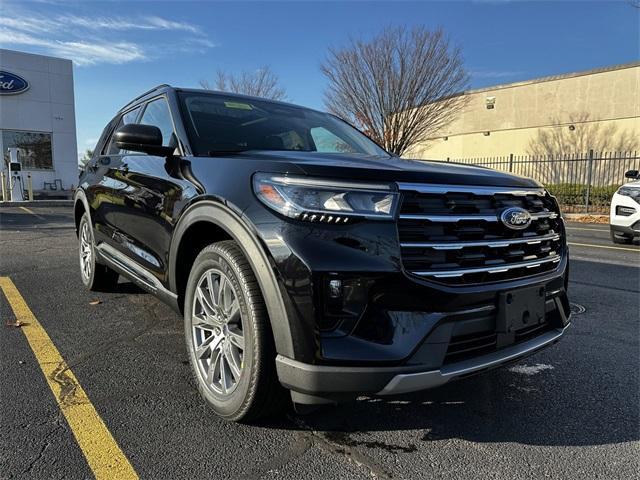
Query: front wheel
(94, 276)
(228, 336)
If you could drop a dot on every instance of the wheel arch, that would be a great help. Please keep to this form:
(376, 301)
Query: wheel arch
(219, 222)
(80, 206)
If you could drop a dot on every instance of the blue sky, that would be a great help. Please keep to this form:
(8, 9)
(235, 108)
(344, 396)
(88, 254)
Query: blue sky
(121, 49)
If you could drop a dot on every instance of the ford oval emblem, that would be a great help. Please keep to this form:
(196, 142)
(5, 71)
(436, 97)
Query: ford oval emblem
(10, 83)
(516, 218)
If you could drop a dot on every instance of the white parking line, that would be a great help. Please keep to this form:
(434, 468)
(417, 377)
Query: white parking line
(604, 230)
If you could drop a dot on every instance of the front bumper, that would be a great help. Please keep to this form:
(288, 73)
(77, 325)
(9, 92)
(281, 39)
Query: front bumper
(390, 331)
(632, 231)
(334, 381)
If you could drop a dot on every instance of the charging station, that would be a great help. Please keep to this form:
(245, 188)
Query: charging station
(15, 182)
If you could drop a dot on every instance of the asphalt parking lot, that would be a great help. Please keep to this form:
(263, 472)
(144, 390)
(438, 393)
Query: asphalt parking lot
(571, 411)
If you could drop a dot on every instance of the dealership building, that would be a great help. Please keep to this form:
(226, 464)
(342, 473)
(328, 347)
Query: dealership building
(37, 116)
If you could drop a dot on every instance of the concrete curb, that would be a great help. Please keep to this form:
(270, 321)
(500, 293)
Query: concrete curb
(39, 203)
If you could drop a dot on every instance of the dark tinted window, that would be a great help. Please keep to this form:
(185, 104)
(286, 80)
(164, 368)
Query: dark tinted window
(157, 114)
(325, 141)
(218, 123)
(127, 118)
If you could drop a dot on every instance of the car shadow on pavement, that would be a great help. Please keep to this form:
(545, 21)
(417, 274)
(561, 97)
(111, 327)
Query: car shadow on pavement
(129, 288)
(497, 407)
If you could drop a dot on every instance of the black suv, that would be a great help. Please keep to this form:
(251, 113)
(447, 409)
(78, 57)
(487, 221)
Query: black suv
(302, 255)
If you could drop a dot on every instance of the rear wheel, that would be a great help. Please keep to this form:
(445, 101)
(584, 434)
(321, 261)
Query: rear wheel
(228, 336)
(95, 277)
(621, 238)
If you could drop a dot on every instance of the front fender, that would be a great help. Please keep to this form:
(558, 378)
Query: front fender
(80, 201)
(244, 235)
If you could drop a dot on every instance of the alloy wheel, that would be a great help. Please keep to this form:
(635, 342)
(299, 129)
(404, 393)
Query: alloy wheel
(217, 333)
(86, 252)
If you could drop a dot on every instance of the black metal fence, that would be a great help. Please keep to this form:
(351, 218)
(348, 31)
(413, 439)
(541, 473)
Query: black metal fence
(582, 183)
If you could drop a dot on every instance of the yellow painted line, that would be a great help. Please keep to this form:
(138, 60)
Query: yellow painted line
(103, 454)
(604, 246)
(28, 210)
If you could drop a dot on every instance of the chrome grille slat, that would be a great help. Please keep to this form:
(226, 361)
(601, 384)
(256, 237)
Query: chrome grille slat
(459, 218)
(477, 190)
(482, 243)
(501, 269)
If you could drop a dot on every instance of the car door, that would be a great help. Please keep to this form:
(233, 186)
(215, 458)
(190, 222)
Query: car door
(105, 190)
(151, 194)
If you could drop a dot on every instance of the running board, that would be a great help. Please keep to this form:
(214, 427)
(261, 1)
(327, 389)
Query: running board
(136, 273)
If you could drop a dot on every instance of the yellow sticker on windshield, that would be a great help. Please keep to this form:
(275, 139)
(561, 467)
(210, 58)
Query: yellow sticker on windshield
(241, 106)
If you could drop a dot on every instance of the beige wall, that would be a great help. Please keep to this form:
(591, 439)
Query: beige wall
(603, 106)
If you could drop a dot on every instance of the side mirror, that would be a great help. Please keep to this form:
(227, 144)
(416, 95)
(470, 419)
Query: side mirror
(142, 138)
(632, 174)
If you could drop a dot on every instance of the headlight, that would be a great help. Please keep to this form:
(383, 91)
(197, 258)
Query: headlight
(319, 200)
(630, 192)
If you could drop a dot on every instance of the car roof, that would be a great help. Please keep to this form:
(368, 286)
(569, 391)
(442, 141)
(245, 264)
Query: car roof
(165, 87)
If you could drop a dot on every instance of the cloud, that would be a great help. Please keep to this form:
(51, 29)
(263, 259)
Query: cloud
(84, 53)
(81, 52)
(119, 24)
(38, 23)
(79, 37)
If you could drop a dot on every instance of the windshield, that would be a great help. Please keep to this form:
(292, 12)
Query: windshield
(219, 123)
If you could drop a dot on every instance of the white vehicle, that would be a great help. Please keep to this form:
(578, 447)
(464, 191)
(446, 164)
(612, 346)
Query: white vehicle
(624, 218)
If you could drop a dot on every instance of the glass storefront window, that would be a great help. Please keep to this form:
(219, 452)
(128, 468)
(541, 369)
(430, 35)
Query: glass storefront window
(34, 149)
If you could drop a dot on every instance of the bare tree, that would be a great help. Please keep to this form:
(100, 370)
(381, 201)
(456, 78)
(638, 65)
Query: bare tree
(579, 136)
(400, 87)
(259, 83)
(574, 140)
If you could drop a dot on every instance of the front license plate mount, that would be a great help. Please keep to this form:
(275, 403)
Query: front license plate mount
(518, 309)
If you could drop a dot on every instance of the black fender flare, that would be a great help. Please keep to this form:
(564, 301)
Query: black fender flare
(244, 235)
(80, 196)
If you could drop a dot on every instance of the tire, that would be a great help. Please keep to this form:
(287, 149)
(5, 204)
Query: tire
(96, 277)
(620, 238)
(236, 377)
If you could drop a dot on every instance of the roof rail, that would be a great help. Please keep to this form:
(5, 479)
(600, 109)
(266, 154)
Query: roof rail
(146, 93)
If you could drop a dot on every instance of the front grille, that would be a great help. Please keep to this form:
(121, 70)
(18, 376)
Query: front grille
(453, 234)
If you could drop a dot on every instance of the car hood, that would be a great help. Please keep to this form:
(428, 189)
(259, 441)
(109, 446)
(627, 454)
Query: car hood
(396, 169)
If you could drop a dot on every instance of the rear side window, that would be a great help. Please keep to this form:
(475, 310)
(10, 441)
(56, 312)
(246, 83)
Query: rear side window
(127, 118)
(157, 114)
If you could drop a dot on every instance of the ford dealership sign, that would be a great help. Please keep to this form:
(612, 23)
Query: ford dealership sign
(10, 83)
